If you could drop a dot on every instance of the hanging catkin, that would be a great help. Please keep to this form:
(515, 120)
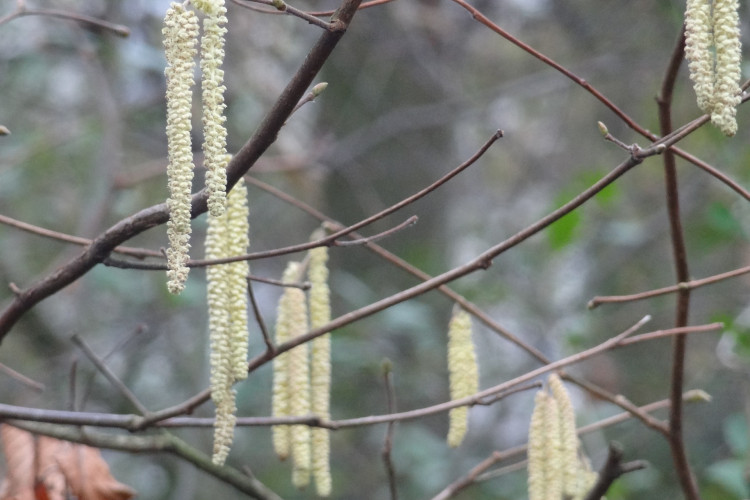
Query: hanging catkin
(212, 96)
(227, 236)
(298, 368)
(556, 466)
(716, 77)
(280, 397)
(320, 376)
(180, 36)
(463, 373)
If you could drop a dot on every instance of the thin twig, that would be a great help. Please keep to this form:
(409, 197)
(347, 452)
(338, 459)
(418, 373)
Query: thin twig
(690, 285)
(21, 11)
(259, 316)
(320, 13)
(465, 304)
(285, 8)
(302, 285)
(388, 444)
(388, 232)
(160, 443)
(55, 235)
(109, 374)
(20, 377)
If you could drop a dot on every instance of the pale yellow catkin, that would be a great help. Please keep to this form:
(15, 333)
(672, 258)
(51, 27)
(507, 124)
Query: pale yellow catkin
(727, 92)
(553, 438)
(568, 435)
(463, 373)
(212, 84)
(180, 36)
(299, 388)
(545, 468)
(320, 375)
(698, 41)
(238, 227)
(227, 236)
(280, 396)
(537, 449)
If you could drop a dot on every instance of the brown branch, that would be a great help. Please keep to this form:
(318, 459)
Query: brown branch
(483, 261)
(330, 240)
(285, 8)
(108, 374)
(320, 13)
(613, 469)
(679, 254)
(265, 135)
(468, 306)
(22, 11)
(259, 316)
(690, 285)
(77, 240)
(20, 377)
(388, 444)
(161, 443)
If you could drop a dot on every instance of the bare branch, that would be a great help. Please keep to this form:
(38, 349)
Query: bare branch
(161, 443)
(613, 469)
(690, 285)
(92, 22)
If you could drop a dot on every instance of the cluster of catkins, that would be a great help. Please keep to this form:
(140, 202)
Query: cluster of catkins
(556, 467)
(227, 233)
(302, 375)
(180, 39)
(715, 74)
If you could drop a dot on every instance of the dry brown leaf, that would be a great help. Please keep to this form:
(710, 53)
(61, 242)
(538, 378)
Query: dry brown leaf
(43, 468)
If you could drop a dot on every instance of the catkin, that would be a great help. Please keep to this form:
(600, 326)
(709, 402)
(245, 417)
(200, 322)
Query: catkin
(280, 396)
(568, 435)
(727, 92)
(237, 216)
(212, 84)
(180, 36)
(716, 77)
(698, 41)
(227, 236)
(555, 466)
(320, 371)
(463, 373)
(299, 388)
(537, 449)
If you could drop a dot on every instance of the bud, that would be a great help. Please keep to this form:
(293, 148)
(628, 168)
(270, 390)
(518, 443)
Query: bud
(319, 88)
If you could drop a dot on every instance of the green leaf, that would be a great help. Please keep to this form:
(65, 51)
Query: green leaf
(563, 232)
(730, 475)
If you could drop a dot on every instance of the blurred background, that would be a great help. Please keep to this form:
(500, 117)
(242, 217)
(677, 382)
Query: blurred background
(415, 88)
